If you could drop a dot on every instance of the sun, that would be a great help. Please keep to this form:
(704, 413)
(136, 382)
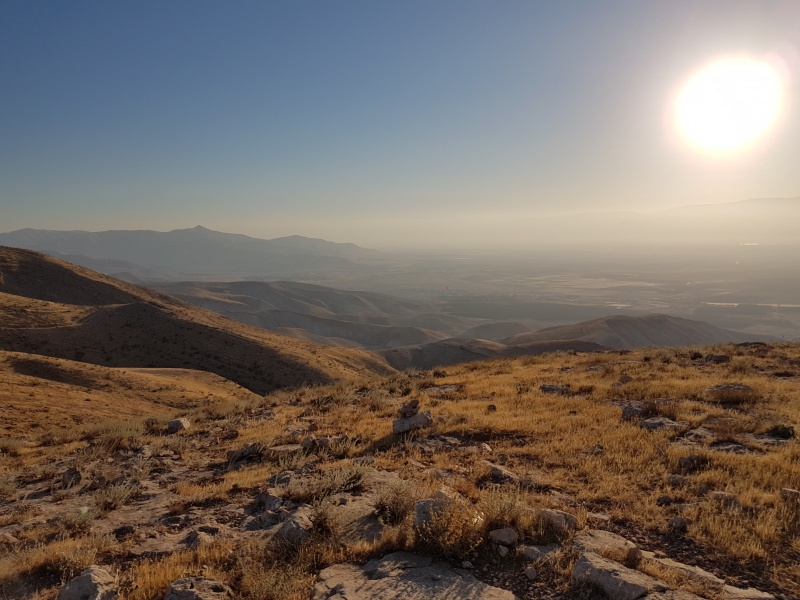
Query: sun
(728, 104)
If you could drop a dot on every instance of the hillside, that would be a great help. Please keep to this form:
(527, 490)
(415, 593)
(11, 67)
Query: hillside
(569, 476)
(331, 316)
(624, 332)
(78, 314)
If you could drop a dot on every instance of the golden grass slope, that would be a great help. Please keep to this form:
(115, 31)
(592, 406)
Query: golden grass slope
(78, 314)
(41, 395)
(580, 455)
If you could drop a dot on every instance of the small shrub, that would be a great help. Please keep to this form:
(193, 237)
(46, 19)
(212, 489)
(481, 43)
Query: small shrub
(114, 496)
(452, 532)
(395, 503)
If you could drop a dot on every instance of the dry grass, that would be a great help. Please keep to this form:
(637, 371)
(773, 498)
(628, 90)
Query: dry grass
(578, 452)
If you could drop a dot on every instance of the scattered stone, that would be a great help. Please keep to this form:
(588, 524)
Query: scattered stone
(266, 501)
(679, 524)
(95, 583)
(699, 435)
(692, 464)
(284, 450)
(402, 576)
(655, 423)
(252, 451)
(502, 551)
(607, 543)
(664, 501)
(198, 588)
(561, 390)
(501, 474)
(484, 447)
(559, 521)
(297, 527)
(718, 359)
(677, 480)
(507, 536)
(617, 581)
(417, 421)
(531, 573)
(176, 425)
(71, 477)
(544, 552)
(465, 564)
(491, 408)
(409, 409)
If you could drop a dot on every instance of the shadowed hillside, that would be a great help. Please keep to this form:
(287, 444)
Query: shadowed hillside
(81, 315)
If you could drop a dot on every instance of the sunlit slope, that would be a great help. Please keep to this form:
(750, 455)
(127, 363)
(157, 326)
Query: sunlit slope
(122, 325)
(40, 394)
(623, 332)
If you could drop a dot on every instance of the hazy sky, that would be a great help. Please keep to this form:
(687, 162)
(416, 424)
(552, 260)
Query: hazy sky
(371, 121)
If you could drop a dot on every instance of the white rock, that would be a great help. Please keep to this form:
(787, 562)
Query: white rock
(617, 581)
(507, 536)
(95, 583)
(418, 421)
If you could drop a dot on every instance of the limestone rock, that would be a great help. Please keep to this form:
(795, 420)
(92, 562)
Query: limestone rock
(544, 552)
(617, 581)
(559, 521)
(507, 536)
(732, 593)
(607, 543)
(409, 409)
(176, 425)
(417, 421)
(402, 576)
(95, 583)
(501, 474)
(198, 588)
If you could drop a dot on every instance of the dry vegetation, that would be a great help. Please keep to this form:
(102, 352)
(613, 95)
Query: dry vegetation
(575, 451)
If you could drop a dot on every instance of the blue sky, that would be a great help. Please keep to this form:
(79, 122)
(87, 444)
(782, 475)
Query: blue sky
(369, 121)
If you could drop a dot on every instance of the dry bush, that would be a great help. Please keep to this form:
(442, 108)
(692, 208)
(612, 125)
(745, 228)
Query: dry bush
(11, 446)
(114, 496)
(396, 502)
(346, 478)
(454, 531)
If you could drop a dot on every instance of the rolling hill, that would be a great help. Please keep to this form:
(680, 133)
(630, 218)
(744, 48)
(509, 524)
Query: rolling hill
(624, 332)
(56, 309)
(331, 316)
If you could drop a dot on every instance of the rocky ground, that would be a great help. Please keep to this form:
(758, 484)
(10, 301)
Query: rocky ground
(659, 474)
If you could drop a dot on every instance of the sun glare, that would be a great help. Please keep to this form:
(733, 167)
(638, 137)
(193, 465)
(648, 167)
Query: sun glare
(728, 104)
